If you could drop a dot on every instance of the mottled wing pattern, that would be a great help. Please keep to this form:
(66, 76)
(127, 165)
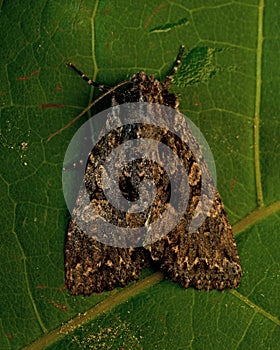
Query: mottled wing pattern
(92, 266)
(206, 258)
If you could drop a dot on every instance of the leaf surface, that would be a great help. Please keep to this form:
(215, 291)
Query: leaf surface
(236, 107)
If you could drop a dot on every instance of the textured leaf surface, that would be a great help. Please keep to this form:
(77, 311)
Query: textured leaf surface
(233, 100)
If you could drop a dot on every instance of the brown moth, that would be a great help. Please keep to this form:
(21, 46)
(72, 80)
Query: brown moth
(205, 258)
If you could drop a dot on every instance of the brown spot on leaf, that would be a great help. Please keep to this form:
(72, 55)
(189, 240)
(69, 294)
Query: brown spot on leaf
(156, 10)
(35, 72)
(52, 105)
(57, 305)
(22, 78)
(41, 287)
(31, 75)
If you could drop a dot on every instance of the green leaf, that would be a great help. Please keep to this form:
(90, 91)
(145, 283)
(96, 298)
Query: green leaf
(235, 104)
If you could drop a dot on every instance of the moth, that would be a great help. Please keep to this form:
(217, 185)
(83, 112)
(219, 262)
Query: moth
(204, 258)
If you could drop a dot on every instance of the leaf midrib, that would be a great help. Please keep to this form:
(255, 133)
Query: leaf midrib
(126, 293)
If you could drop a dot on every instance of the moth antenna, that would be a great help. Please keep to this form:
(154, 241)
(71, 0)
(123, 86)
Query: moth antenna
(87, 79)
(177, 63)
(108, 91)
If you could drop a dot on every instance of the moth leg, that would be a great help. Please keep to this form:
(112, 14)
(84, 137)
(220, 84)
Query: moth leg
(177, 63)
(89, 81)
